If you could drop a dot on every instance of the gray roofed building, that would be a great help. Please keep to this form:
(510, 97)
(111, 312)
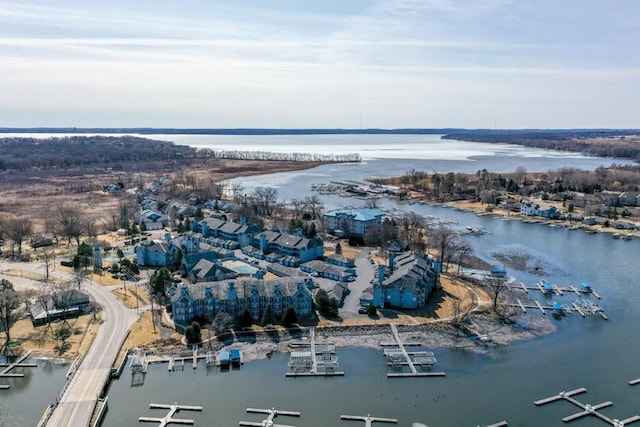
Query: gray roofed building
(413, 278)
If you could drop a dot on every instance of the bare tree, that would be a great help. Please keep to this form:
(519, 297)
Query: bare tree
(461, 313)
(90, 226)
(462, 250)
(297, 206)
(9, 305)
(18, 229)
(443, 240)
(48, 255)
(70, 223)
(265, 199)
(372, 203)
(314, 205)
(43, 299)
(497, 287)
(519, 175)
(237, 192)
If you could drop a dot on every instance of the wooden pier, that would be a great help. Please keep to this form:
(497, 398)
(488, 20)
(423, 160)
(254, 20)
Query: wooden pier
(313, 358)
(397, 355)
(271, 414)
(587, 409)
(8, 367)
(369, 420)
(168, 419)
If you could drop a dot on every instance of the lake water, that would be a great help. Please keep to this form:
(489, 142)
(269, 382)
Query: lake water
(478, 389)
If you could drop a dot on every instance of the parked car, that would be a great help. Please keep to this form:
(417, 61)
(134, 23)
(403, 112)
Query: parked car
(362, 310)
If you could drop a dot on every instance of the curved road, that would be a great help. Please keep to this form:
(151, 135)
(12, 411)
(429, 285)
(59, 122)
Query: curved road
(78, 401)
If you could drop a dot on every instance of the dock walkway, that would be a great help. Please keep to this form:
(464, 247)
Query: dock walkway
(168, 419)
(313, 358)
(400, 356)
(368, 420)
(587, 409)
(8, 367)
(271, 414)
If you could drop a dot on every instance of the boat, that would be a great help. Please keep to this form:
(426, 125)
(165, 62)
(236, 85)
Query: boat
(586, 287)
(224, 358)
(235, 358)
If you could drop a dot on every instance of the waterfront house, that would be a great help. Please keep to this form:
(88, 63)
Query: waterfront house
(353, 221)
(529, 208)
(550, 212)
(209, 298)
(63, 304)
(410, 282)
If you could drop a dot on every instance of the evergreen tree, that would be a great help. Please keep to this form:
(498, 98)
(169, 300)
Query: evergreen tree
(290, 317)
(244, 319)
(160, 281)
(268, 318)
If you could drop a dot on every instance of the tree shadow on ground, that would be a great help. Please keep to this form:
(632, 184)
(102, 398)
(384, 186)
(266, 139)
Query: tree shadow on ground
(246, 335)
(273, 334)
(435, 302)
(294, 331)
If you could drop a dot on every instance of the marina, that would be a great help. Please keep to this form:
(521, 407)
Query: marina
(587, 409)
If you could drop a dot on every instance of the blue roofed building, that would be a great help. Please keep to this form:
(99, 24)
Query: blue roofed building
(353, 221)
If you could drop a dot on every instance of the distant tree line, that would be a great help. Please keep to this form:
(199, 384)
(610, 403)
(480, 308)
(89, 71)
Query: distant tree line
(120, 152)
(84, 151)
(288, 157)
(591, 142)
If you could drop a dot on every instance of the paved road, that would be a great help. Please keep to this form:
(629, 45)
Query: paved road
(77, 403)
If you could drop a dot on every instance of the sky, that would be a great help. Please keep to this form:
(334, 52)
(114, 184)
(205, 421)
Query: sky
(320, 64)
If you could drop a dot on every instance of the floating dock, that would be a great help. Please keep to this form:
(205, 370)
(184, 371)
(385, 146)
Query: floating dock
(587, 409)
(547, 288)
(8, 367)
(397, 355)
(581, 306)
(168, 419)
(368, 420)
(313, 358)
(271, 414)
